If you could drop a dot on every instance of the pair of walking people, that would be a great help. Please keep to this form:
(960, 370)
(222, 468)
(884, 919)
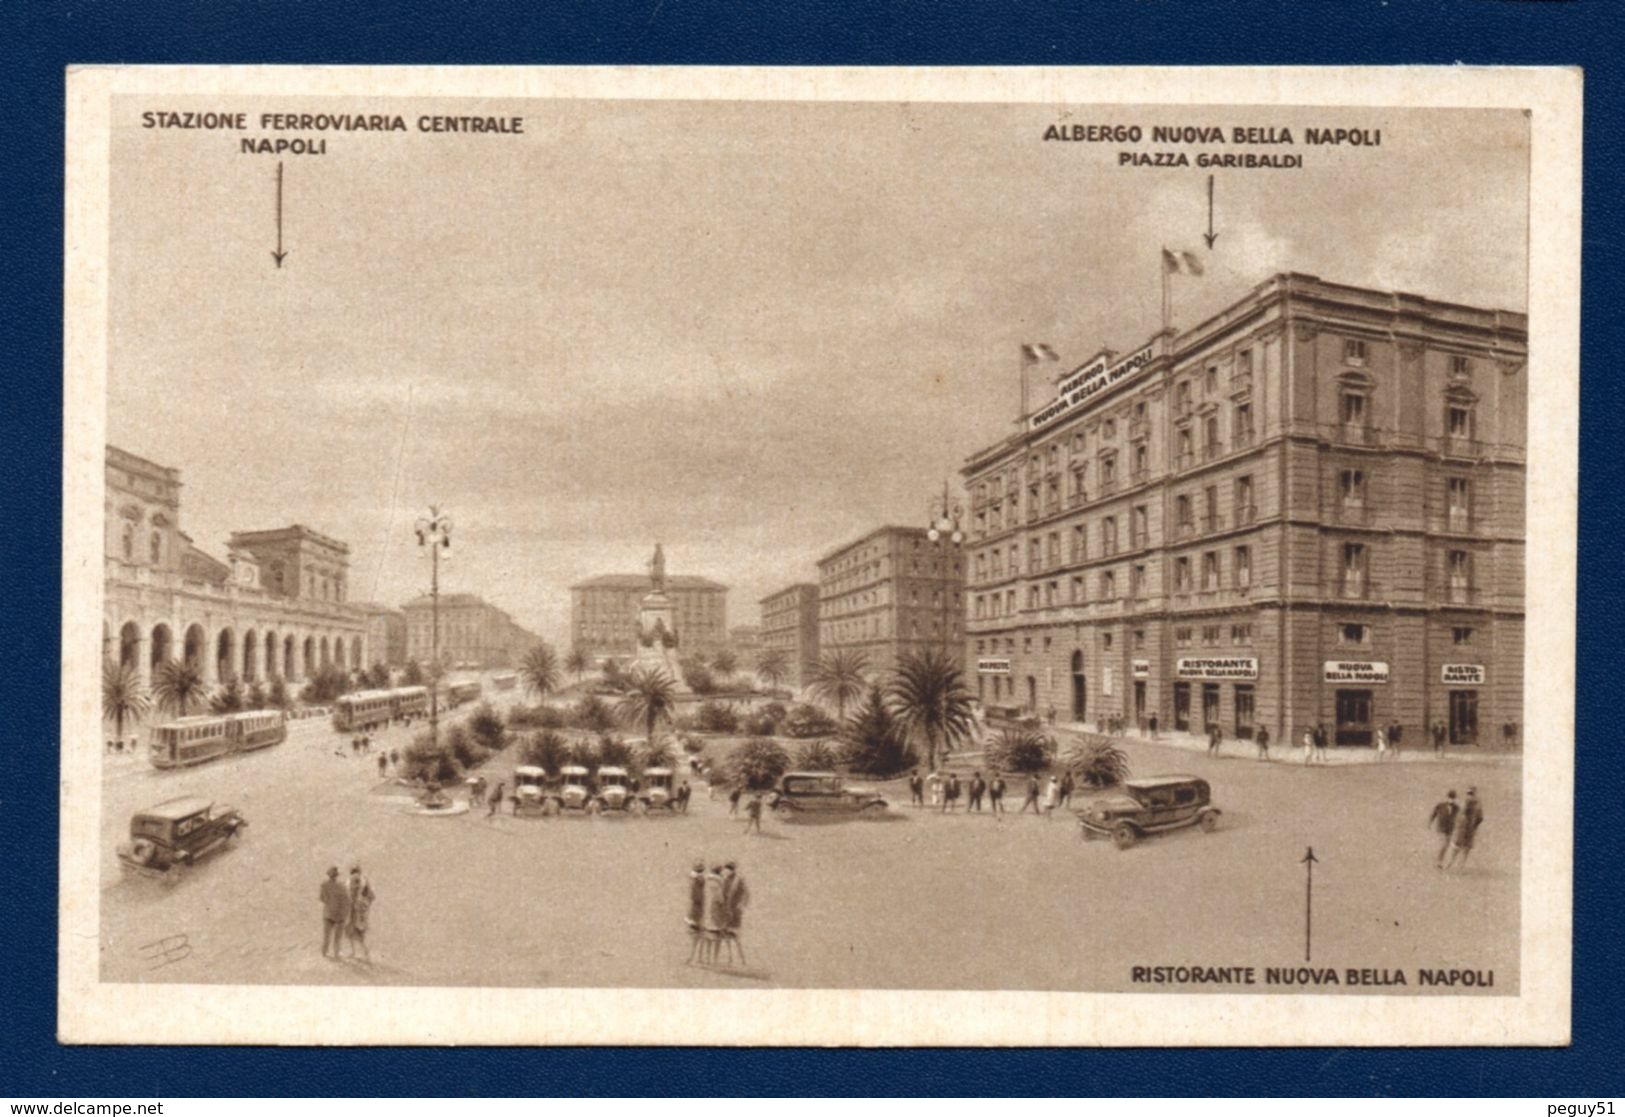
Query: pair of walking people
(346, 913)
(1457, 827)
(716, 912)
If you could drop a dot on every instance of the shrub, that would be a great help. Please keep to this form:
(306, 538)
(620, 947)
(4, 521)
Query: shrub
(537, 717)
(327, 684)
(759, 763)
(593, 713)
(760, 725)
(547, 750)
(872, 743)
(714, 717)
(432, 761)
(656, 754)
(486, 727)
(1021, 750)
(464, 746)
(808, 721)
(257, 698)
(228, 699)
(699, 678)
(1097, 763)
(691, 745)
(278, 696)
(816, 756)
(613, 750)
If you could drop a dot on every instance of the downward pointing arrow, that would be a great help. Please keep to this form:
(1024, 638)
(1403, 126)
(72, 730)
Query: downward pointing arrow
(1210, 236)
(1308, 862)
(279, 254)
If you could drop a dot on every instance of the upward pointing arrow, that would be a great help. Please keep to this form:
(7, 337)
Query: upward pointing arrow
(1210, 236)
(279, 254)
(1308, 862)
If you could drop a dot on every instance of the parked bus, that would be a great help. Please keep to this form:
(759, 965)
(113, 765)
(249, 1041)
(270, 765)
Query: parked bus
(194, 740)
(507, 680)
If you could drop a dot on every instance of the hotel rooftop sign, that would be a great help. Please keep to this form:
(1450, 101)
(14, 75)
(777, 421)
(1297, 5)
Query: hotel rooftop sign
(1084, 384)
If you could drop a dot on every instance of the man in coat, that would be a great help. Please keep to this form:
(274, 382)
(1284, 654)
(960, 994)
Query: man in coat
(735, 895)
(1443, 822)
(335, 901)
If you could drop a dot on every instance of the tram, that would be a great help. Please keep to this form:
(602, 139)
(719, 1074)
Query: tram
(195, 740)
(410, 701)
(363, 709)
(458, 693)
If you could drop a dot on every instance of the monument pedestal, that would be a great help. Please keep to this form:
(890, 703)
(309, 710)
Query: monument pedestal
(657, 640)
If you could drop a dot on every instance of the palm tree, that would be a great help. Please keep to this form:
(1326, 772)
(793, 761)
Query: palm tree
(927, 696)
(840, 677)
(177, 686)
(773, 666)
(123, 696)
(650, 696)
(540, 671)
(577, 663)
(724, 662)
(228, 699)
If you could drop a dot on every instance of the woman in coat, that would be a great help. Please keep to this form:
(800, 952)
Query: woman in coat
(361, 897)
(715, 920)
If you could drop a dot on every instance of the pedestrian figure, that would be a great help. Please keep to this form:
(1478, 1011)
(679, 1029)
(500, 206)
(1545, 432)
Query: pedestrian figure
(395, 759)
(934, 782)
(1467, 822)
(1153, 724)
(361, 898)
(733, 798)
(1214, 735)
(735, 895)
(1382, 744)
(995, 794)
(476, 792)
(684, 793)
(1050, 714)
(1320, 742)
(1443, 822)
(1438, 738)
(696, 913)
(335, 900)
(1052, 796)
(1262, 740)
(950, 793)
(978, 788)
(494, 801)
(1394, 731)
(916, 789)
(1068, 785)
(382, 762)
(1032, 796)
(1308, 746)
(753, 815)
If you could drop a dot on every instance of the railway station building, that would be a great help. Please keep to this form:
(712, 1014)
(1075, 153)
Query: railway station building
(1306, 510)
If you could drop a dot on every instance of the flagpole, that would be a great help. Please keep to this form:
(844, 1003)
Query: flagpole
(1167, 296)
(1021, 358)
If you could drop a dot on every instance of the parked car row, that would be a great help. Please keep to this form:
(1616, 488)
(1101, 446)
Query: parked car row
(577, 789)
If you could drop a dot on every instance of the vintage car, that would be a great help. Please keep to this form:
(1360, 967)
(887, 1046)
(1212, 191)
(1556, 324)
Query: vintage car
(614, 789)
(530, 791)
(177, 833)
(574, 792)
(823, 794)
(1149, 806)
(658, 793)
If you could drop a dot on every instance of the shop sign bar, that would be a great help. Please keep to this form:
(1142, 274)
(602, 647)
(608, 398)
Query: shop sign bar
(993, 666)
(1141, 668)
(1462, 674)
(1227, 667)
(1355, 671)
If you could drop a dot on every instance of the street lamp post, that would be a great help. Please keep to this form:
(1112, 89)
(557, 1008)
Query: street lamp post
(434, 533)
(944, 516)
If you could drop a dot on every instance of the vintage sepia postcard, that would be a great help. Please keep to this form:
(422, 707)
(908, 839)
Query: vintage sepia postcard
(863, 557)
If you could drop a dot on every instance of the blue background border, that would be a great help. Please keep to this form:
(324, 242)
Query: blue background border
(40, 40)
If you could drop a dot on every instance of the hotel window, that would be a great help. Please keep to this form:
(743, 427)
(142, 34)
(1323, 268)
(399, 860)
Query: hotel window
(1142, 461)
(1353, 633)
(1051, 592)
(1182, 514)
(981, 567)
(1136, 580)
(1182, 397)
(1182, 574)
(981, 524)
(1458, 500)
(157, 548)
(1244, 363)
(1010, 602)
(1461, 366)
(1140, 526)
(1054, 548)
(1244, 423)
(1244, 567)
(1210, 380)
(1077, 589)
(1182, 637)
(1080, 543)
(1458, 420)
(1210, 508)
(1139, 411)
(1078, 490)
(1210, 570)
(1106, 640)
(1077, 443)
(1351, 489)
(1108, 585)
(1460, 567)
(1034, 557)
(1184, 447)
(1032, 597)
(997, 563)
(1210, 634)
(1354, 351)
(1354, 569)
(1052, 495)
(1245, 510)
(1108, 535)
(1352, 408)
(1054, 456)
(1032, 499)
(1241, 634)
(1108, 430)
(1139, 639)
(128, 537)
(1015, 559)
(1210, 435)
(1108, 470)
(1461, 634)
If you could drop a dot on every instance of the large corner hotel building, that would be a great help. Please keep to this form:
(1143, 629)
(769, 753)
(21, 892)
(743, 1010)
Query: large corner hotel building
(1307, 509)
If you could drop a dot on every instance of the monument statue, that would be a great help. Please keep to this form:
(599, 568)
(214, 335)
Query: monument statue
(657, 570)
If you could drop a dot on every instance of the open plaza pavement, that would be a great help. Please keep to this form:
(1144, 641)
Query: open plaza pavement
(920, 901)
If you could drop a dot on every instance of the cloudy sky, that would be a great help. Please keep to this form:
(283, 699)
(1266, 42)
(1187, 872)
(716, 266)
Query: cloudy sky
(749, 330)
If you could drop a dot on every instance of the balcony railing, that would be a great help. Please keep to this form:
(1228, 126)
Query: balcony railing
(1358, 589)
(1357, 434)
(1184, 529)
(1212, 522)
(1352, 514)
(1459, 519)
(1246, 513)
(1458, 594)
(1140, 540)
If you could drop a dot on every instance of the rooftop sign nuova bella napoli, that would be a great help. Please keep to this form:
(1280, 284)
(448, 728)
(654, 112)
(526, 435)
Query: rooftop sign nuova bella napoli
(1083, 384)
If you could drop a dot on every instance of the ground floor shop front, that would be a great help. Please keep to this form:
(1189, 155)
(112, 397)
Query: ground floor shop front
(1457, 674)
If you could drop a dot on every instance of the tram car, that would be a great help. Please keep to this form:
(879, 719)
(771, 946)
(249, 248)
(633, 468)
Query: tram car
(195, 740)
(410, 701)
(363, 709)
(506, 680)
(459, 693)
